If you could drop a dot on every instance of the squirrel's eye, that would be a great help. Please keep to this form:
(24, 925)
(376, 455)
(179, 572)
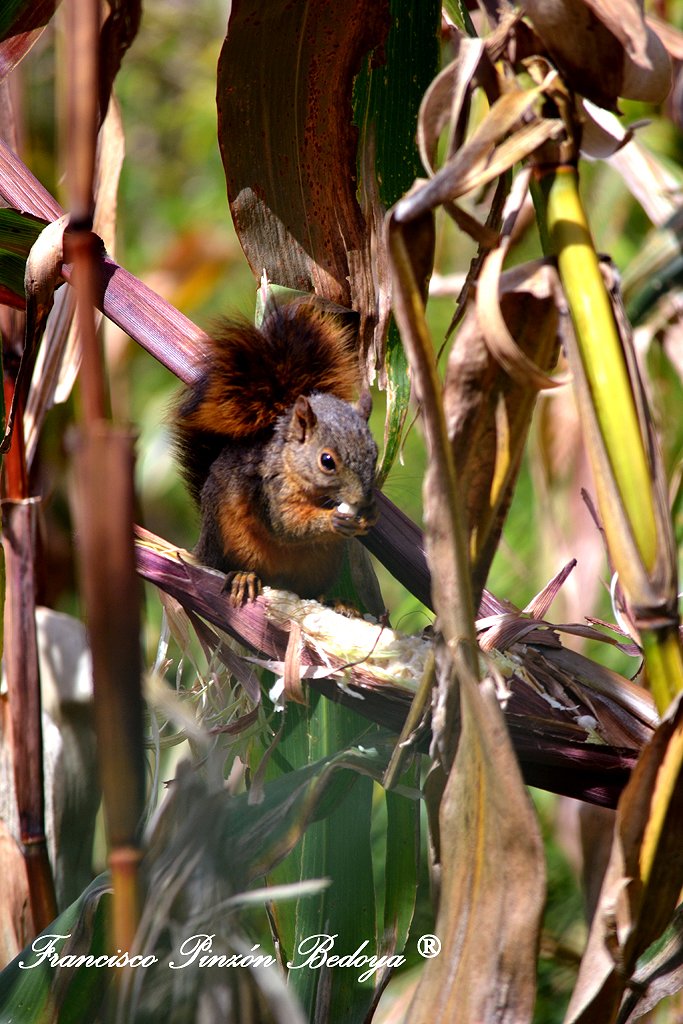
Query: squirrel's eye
(327, 462)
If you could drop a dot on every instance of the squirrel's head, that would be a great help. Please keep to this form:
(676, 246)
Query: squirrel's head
(334, 454)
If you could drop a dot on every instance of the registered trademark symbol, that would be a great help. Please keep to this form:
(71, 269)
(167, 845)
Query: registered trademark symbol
(429, 946)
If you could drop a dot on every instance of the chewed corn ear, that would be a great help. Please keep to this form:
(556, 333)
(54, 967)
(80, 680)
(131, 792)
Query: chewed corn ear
(364, 405)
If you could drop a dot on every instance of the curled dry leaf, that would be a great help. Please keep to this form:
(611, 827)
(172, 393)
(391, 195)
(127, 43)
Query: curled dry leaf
(603, 134)
(43, 275)
(58, 360)
(642, 83)
(647, 69)
(497, 336)
(495, 327)
(588, 55)
(117, 34)
(508, 134)
(603, 48)
(292, 667)
(445, 105)
(624, 18)
(445, 100)
(488, 410)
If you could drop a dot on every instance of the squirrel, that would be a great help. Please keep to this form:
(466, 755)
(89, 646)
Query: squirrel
(274, 453)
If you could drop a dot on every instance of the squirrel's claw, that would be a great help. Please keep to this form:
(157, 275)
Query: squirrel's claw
(345, 608)
(243, 586)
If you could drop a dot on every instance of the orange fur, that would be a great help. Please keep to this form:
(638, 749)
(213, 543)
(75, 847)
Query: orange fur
(307, 568)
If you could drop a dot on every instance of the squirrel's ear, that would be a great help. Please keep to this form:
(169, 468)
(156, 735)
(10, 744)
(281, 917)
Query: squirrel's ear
(303, 418)
(364, 405)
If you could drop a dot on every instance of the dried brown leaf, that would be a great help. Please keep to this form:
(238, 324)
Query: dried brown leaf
(292, 666)
(541, 282)
(43, 273)
(588, 55)
(603, 48)
(42, 276)
(643, 880)
(478, 161)
(488, 412)
(539, 605)
(650, 81)
(46, 375)
(549, 685)
(156, 325)
(28, 24)
(483, 235)
(624, 18)
(647, 69)
(445, 100)
(117, 34)
(289, 145)
(492, 887)
(58, 359)
(670, 35)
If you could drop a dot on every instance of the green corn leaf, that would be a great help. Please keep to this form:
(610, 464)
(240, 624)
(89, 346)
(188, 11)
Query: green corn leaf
(18, 232)
(44, 994)
(387, 97)
(336, 847)
(402, 863)
(625, 458)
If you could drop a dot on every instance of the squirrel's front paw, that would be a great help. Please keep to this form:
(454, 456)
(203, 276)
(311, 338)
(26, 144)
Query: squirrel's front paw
(243, 586)
(352, 520)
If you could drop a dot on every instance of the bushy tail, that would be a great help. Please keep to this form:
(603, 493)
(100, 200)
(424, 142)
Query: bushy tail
(250, 376)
